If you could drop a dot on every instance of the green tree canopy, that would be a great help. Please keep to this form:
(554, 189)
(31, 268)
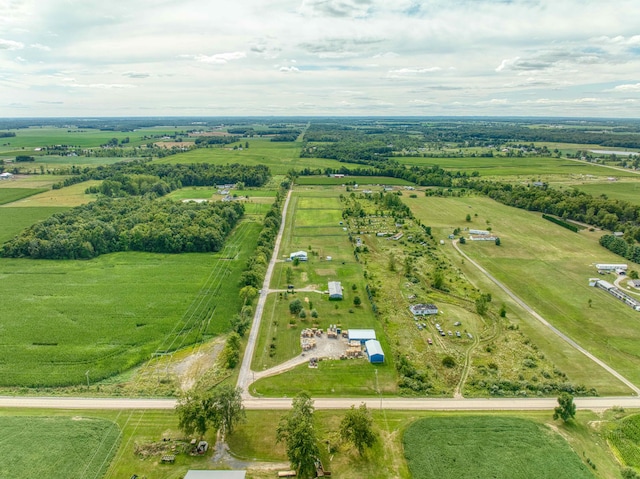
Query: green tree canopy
(566, 409)
(297, 430)
(356, 427)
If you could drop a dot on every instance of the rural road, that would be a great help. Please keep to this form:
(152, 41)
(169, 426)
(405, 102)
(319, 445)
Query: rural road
(245, 378)
(426, 404)
(560, 334)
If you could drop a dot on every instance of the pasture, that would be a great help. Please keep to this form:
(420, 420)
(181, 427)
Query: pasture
(626, 190)
(279, 156)
(525, 167)
(548, 267)
(14, 220)
(488, 446)
(56, 447)
(109, 314)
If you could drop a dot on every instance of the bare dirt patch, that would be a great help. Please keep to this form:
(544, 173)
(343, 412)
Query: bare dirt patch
(171, 144)
(326, 272)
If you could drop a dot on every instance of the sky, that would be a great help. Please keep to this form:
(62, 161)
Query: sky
(576, 58)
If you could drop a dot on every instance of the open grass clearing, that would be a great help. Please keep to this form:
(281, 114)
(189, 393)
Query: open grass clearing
(111, 313)
(625, 190)
(32, 181)
(69, 196)
(481, 446)
(56, 447)
(556, 264)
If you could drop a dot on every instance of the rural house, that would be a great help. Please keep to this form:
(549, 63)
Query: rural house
(423, 309)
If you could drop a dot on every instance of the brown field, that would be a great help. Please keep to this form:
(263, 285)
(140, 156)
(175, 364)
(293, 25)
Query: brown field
(171, 144)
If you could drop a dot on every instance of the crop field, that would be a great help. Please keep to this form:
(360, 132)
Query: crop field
(279, 156)
(528, 167)
(482, 446)
(56, 447)
(69, 196)
(9, 195)
(360, 180)
(624, 439)
(108, 314)
(14, 220)
(548, 267)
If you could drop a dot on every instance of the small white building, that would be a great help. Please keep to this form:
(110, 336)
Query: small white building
(423, 309)
(482, 237)
(300, 255)
(611, 267)
(6, 176)
(479, 232)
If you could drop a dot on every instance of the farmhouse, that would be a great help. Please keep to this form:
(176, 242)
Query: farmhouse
(300, 255)
(423, 309)
(362, 335)
(335, 290)
(374, 351)
(191, 474)
(634, 283)
(611, 267)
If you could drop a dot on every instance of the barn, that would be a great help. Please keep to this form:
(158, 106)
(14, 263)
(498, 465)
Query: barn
(335, 290)
(374, 351)
(362, 335)
(299, 255)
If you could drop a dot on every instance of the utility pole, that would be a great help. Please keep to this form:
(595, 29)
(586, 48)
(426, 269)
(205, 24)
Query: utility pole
(87, 374)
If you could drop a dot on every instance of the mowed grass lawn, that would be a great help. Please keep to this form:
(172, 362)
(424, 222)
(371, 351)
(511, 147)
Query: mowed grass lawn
(526, 166)
(110, 313)
(549, 268)
(56, 447)
(14, 220)
(489, 447)
(279, 156)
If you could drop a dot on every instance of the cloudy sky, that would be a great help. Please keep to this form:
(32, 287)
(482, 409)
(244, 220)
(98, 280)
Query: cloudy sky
(319, 57)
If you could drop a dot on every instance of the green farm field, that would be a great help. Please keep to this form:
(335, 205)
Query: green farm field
(548, 267)
(9, 195)
(626, 190)
(14, 220)
(280, 157)
(32, 181)
(111, 313)
(489, 446)
(529, 167)
(69, 196)
(56, 447)
(360, 180)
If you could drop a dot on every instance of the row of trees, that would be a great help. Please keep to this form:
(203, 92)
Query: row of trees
(175, 175)
(622, 247)
(128, 224)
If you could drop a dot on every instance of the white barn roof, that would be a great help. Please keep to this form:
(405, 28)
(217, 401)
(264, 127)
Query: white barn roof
(361, 334)
(373, 347)
(335, 288)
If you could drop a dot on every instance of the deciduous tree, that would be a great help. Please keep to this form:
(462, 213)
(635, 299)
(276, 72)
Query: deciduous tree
(566, 409)
(297, 430)
(356, 427)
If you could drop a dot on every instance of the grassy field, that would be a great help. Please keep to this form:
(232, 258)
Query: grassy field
(73, 195)
(9, 195)
(56, 447)
(548, 267)
(620, 190)
(108, 314)
(360, 180)
(280, 157)
(32, 181)
(481, 446)
(526, 167)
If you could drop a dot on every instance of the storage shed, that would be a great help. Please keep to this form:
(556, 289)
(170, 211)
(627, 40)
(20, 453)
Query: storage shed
(374, 351)
(362, 335)
(335, 290)
(300, 255)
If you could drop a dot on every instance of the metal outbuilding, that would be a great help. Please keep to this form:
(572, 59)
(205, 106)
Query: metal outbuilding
(374, 351)
(335, 290)
(362, 335)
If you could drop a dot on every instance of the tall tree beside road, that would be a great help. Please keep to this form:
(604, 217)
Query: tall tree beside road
(355, 427)
(297, 430)
(566, 409)
(221, 408)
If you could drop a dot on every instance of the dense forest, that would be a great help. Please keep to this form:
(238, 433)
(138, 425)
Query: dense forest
(128, 224)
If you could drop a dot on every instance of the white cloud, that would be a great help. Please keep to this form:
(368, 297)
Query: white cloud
(218, 58)
(289, 69)
(409, 71)
(40, 46)
(630, 87)
(10, 45)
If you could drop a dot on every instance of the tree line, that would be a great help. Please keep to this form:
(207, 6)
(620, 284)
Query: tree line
(127, 224)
